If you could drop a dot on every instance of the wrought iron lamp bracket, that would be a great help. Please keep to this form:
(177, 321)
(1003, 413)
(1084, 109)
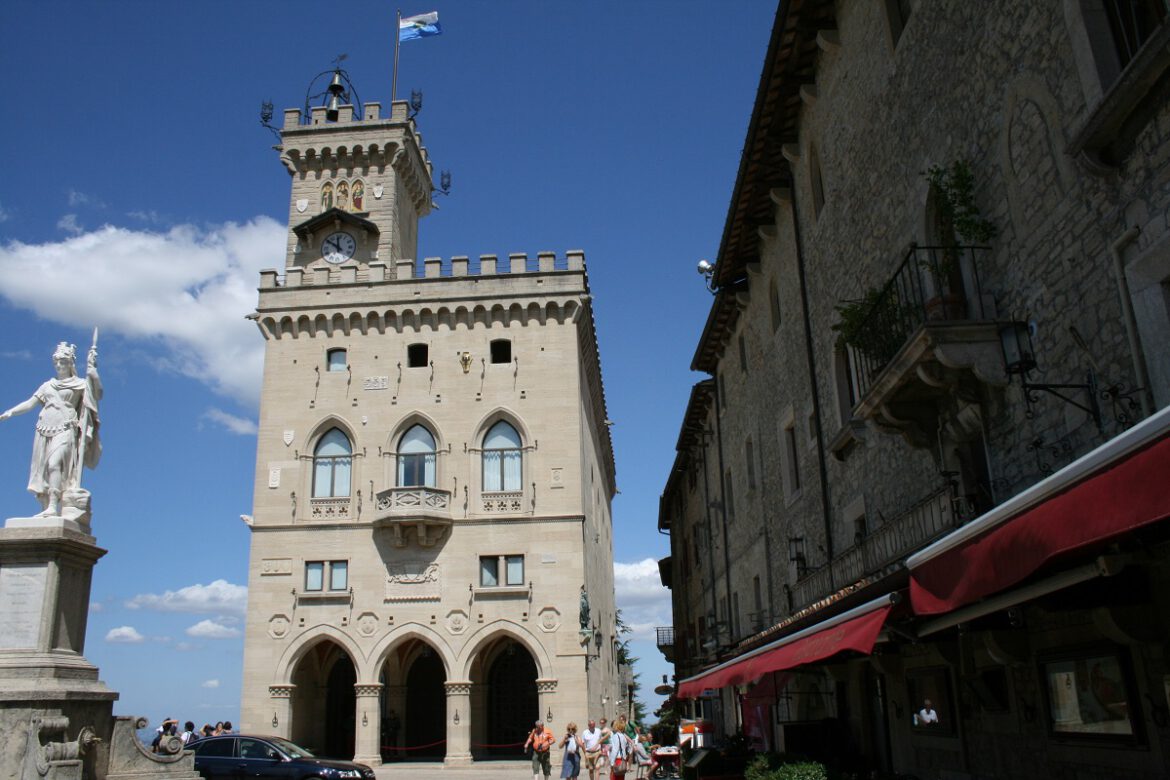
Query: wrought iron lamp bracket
(1092, 407)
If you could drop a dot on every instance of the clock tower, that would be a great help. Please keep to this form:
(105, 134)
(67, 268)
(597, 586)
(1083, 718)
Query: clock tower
(360, 184)
(431, 565)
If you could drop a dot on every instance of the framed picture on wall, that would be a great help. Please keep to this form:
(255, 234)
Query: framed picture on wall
(932, 709)
(1090, 695)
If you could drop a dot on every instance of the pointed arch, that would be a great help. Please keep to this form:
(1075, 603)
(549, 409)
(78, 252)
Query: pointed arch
(380, 653)
(306, 641)
(488, 634)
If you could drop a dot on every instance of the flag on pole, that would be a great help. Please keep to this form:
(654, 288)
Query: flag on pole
(421, 26)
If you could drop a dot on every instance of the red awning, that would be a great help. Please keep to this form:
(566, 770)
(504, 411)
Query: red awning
(856, 629)
(1119, 487)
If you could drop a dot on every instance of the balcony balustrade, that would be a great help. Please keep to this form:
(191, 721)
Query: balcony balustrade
(888, 544)
(666, 642)
(929, 332)
(425, 509)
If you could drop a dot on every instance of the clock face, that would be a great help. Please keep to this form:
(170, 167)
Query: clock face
(338, 247)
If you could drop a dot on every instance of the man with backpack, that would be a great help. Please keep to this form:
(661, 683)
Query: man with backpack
(541, 741)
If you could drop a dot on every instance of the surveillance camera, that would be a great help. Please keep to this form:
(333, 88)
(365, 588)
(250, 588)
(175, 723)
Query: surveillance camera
(705, 267)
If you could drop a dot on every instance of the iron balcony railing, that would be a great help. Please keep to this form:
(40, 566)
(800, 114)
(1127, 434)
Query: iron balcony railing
(932, 284)
(897, 537)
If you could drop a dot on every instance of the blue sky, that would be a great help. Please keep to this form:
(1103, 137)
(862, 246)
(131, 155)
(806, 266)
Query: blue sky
(141, 195)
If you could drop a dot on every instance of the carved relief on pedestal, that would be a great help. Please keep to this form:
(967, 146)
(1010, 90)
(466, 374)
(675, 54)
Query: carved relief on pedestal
(456, 621)
(367, 624)
(278, 626)
(550, 619)
(412, 581)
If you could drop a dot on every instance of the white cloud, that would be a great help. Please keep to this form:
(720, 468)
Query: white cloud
(209, 629)
(184, 646)
(209, 684)
(70, 224)
(240, 425)
(5, 214)
(217, 596)
(124, 635)
(16, 354)
(152, 216)
(186, 291)
(95, 606)
(644, 603)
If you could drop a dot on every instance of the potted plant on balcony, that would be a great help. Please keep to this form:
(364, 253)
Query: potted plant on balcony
(872, 325)
(957, 216)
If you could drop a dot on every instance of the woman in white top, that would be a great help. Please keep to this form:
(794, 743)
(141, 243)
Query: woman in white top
(571, 765)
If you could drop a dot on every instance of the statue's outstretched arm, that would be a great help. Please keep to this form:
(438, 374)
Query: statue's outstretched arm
(21, 408)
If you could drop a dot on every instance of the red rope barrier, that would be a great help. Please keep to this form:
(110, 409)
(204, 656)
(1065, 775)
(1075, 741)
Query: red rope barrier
(510, 744)
(413, 747)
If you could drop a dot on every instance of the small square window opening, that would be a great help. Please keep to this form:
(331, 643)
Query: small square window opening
(416, 356)
(501, 351)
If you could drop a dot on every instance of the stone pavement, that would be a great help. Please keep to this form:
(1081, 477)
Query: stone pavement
(480, 770)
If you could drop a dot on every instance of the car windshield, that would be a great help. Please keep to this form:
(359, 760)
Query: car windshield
(289, 749)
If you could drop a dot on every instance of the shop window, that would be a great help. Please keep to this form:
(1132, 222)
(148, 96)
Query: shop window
(1090, 696)
(931, 708)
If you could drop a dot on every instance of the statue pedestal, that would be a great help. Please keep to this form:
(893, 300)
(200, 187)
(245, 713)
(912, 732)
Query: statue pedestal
(46, 566)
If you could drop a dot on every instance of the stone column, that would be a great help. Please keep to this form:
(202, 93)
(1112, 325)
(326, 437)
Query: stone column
(546, 691)
(281, 698)
(458, 723)
(367, 745)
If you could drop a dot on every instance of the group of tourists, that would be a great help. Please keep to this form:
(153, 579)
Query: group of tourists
(605, 751)
(189, 734)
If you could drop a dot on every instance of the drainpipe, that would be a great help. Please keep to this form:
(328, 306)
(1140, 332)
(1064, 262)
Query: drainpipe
(767, 521)
(812, 378)
(710, 535)
(1141, 376)
(723, 506)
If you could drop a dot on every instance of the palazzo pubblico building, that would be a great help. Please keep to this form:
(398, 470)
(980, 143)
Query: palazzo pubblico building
(431, 531)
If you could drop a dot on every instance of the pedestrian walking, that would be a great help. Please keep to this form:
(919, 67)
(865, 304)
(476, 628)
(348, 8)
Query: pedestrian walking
(591, 737)
(573, 745)
(541, 740)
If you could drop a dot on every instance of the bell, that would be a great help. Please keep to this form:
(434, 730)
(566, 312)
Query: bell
(333, 110)
(335, 86)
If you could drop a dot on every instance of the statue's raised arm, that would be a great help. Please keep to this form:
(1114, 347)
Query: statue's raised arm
(66, 438)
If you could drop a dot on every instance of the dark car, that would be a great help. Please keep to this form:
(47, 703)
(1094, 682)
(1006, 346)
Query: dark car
(239, 756)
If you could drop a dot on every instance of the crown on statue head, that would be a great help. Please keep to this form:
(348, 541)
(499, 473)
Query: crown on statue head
(65, 350)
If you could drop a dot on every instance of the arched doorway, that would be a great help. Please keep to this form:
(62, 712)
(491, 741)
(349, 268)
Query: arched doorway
(507, 673)
(324, 701)
(414, 703)
(426, 705)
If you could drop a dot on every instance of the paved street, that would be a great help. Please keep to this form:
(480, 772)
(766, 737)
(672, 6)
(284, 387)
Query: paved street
(481, 770)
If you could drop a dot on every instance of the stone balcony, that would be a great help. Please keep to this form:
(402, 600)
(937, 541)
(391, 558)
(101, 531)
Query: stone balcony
(666, 642)
(928, 335)
(885, 547)
(426, 510)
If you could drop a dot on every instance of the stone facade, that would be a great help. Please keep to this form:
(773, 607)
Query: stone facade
(415, 583)
(814, 503)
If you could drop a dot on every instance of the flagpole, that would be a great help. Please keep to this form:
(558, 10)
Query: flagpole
(394, 78)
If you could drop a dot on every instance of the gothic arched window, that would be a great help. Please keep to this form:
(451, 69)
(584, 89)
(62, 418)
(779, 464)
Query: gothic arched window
(502, 459)
(332, 465)
(416, 458)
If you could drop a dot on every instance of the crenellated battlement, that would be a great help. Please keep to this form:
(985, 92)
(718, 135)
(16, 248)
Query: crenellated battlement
(405, 270)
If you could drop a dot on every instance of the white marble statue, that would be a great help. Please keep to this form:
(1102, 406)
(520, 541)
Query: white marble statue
(66, 438)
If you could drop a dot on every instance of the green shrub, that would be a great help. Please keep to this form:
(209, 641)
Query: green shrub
(806, 770)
